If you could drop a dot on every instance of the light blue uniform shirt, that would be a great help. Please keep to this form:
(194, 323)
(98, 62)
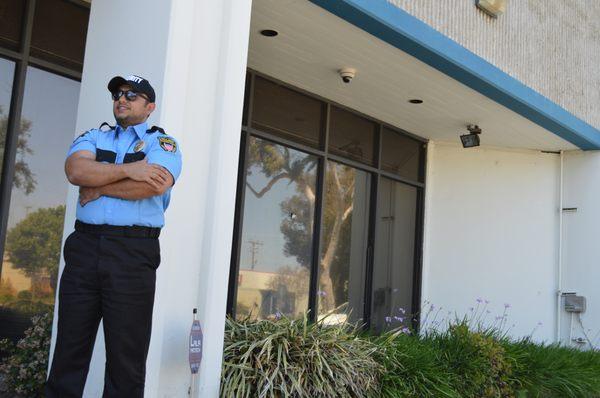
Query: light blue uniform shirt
(124, 146)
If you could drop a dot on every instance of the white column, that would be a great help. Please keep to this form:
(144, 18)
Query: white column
(203, 99)
(194, 54)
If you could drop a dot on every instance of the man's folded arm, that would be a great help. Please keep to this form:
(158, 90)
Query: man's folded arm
(127, 189)
(83, 170)
(134, 190)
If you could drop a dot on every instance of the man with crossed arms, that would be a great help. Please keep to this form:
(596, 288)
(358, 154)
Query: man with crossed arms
(125, 174)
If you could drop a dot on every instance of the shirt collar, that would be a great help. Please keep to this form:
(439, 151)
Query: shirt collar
(140, 129)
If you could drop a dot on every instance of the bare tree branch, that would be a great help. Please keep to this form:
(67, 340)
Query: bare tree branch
(268, 186)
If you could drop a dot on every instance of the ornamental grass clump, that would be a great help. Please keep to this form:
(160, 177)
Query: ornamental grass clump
(413, 367)
(296, 358)
(553, 371)
(25, 365)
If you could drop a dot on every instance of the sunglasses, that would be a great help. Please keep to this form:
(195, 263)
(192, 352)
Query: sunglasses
(129, 95)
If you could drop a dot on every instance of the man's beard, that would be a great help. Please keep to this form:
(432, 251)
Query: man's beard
(122, 120)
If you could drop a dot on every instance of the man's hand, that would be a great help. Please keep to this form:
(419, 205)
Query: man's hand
(153, 174)
(88, 194)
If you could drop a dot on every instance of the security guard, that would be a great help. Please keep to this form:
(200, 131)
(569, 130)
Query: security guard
(125, 174)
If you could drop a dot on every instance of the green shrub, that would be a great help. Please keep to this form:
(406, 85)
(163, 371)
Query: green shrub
(413, 368)
(297, 358)
(477, 359)
(24, 368)
(552, 371)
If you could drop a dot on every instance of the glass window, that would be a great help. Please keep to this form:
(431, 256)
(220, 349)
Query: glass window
(401, 155)
(352, 136)
(344, 243)
(393, 264)
(286, 113)
(35, 221)
(11, 23)
(7, 71)
(59, 32)
(277, 231)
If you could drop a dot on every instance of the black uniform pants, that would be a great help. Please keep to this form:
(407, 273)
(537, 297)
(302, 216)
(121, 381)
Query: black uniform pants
(110, 278)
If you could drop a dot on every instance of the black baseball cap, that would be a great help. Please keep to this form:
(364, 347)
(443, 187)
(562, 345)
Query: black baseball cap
(137, 83)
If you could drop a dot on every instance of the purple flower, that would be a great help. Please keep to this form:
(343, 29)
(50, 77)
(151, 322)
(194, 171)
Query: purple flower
(399, 318)
(278, 315)
(402, 310)
(388, 319)
(405, 330)
(479, 300)
(506, 305)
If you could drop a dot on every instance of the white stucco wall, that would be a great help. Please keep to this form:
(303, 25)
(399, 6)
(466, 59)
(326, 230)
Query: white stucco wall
(581, 234)
(551, 46)
(491, 232)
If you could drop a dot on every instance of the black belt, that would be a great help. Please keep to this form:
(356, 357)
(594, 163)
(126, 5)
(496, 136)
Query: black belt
(134, 231)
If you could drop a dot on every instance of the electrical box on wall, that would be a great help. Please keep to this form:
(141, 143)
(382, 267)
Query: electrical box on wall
(493, 8)
(574, 303)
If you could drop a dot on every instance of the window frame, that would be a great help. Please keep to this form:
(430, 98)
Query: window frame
(323, 155)
(22, 60)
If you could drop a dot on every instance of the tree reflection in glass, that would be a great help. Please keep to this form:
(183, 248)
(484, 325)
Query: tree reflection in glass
(35, 221)
(277, 231)
(343, 243)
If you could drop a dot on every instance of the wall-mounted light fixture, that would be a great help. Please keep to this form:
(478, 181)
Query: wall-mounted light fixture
(493, 8)
(472, 139)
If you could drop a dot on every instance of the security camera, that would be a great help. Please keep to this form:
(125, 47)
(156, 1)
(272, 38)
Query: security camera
(347, 74)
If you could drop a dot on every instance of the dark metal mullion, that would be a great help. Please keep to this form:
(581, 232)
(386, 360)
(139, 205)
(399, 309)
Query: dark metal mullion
(418, 258)
(12, 55)
(54, 68)
(372, 228)
(283, 141)
(236, 248)
(370, 261)
(378, 144)
(419, 239)
(319, 208)
(402, 180)
(14, 122)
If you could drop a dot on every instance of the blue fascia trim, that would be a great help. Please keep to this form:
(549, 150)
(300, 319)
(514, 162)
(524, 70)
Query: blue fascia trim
(407, 33)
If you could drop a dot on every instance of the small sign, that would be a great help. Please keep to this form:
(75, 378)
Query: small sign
(195, 345)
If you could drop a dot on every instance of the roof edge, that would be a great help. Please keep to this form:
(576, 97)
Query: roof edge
(413, 36)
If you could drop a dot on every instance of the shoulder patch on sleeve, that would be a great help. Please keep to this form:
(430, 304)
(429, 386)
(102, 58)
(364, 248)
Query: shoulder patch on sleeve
(168, 144)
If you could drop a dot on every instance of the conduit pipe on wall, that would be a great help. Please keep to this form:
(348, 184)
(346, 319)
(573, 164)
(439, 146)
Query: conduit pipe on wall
(560, 244)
